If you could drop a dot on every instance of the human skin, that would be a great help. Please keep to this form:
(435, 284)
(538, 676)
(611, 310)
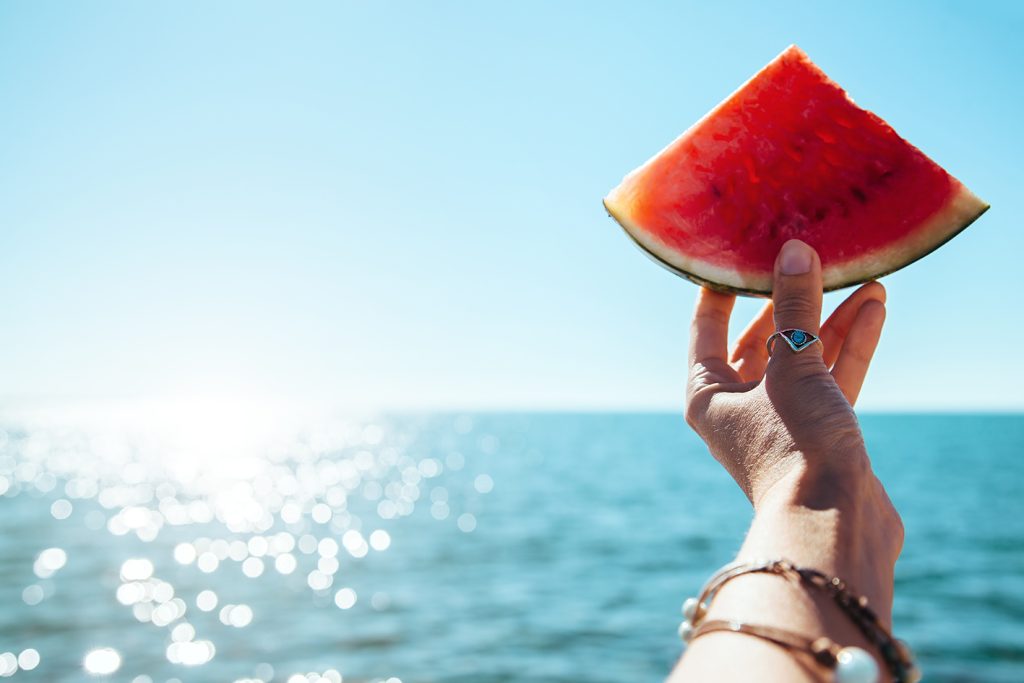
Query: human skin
(784, 428)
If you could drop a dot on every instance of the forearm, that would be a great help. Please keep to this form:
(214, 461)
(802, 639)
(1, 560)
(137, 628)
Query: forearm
(845, 528)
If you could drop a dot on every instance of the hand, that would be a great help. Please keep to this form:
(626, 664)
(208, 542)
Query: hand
(788, 418)
(785, 429)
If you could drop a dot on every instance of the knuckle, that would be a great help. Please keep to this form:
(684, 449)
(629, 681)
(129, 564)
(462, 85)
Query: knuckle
(713, 316)
(803, 368)
(697, 400)
(794, 305)
(700, 376)
(859, 353)
(845, 437)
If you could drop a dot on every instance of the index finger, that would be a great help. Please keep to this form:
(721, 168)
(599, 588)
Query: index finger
(839, 324)
(709, 334)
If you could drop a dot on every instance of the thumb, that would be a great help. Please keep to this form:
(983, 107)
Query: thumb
(796, 293)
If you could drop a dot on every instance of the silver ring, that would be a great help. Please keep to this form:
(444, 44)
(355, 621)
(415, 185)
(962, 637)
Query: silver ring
(798, 340)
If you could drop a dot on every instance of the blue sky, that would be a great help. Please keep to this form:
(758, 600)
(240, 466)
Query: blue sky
(398, 204)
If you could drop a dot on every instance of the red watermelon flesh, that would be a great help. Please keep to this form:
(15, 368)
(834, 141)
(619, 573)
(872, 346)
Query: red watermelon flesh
(789, 155)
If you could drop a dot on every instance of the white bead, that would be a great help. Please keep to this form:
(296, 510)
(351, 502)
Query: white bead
(686, 631)
(690, 608)
(854, 665)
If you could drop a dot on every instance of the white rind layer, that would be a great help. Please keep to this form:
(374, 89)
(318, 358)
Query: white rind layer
(963, 209)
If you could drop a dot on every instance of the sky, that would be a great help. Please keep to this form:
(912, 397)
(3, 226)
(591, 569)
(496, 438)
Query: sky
(398, 204)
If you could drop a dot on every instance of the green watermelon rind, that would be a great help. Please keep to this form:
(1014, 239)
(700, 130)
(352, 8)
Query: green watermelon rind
(963, 209)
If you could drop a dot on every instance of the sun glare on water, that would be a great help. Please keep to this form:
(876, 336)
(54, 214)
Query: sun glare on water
(213, 485)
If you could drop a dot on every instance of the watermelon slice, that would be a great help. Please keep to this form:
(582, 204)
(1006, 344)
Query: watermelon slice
(789, 155)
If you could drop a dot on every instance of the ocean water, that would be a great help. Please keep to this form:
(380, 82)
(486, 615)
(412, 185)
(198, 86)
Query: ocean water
(458, 549)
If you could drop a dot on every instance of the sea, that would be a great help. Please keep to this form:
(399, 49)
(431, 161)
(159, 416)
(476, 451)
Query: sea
(455, 548)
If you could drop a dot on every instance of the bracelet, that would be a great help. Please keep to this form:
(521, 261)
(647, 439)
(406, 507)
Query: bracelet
(849, 664)
(897, 655)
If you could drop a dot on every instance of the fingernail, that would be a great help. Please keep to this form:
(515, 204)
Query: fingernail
(795, 258)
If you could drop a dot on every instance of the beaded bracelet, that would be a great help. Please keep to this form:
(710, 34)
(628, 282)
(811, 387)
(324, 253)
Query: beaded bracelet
(848, 664)
(896, 654)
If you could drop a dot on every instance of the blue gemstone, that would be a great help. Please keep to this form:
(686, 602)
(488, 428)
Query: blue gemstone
(799, 337)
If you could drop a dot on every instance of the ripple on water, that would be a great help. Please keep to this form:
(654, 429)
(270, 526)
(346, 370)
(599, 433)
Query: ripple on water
(304, 509)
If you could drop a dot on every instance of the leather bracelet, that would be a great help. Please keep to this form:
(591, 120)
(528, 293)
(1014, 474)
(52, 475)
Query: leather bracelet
(897, 655)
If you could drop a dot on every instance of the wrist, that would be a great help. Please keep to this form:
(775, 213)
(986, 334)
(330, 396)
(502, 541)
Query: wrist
(839, 521)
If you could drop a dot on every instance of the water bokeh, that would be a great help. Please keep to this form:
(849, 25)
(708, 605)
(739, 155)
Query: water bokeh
(429, 548)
